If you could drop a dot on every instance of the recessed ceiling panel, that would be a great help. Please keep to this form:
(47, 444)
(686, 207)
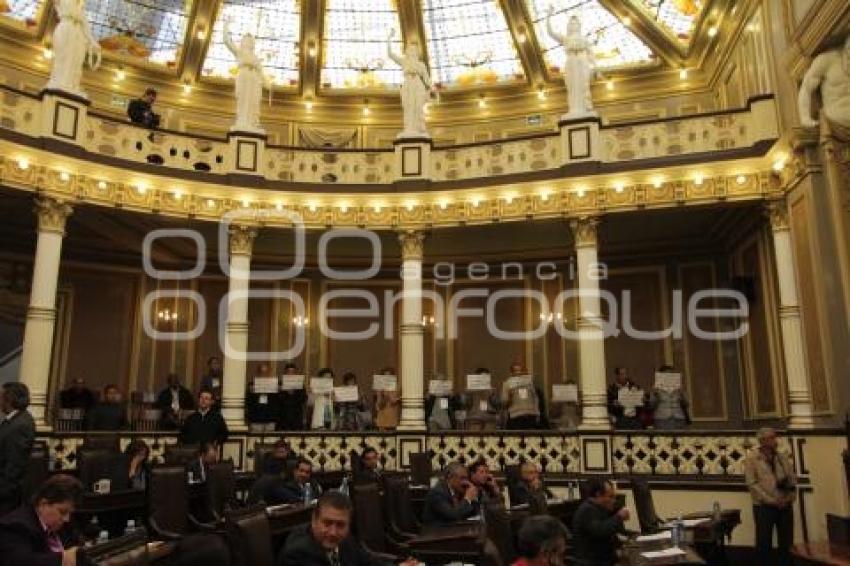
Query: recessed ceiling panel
(677, 17)
(152, 30)
(24, 11)
(469, 43)
(614, 44)
(276, 25)
(355, 44)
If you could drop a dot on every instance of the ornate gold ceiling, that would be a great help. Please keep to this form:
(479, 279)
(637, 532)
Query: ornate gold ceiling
(314, 48)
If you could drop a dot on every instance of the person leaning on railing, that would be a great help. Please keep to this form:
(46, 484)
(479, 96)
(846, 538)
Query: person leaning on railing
(140, 110)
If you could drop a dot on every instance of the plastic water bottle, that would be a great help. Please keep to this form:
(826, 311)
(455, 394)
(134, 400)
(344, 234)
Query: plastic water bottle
(308, 494)
(716, 513)
(678, 531)
(343, 487)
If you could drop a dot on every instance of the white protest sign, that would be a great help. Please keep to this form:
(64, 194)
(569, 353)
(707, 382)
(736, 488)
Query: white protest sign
(478, 382)
(384, 382)
(440, 387)
(265, 385)
(291, 382)
(565, 393)
(519, 381)
(346, 394)
(321, 385)
(668, 381)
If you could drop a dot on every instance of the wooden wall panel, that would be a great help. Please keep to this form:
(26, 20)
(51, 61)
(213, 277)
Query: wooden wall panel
(100, 333)
(809, 308)
(363, 357)
(207, 344)
(476, 347)
(760, 374)
(703, 371)
(648, 293)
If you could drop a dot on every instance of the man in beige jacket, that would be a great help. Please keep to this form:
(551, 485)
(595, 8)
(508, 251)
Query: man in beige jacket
(772, 484)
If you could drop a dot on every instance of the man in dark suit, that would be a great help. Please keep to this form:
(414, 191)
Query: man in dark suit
(17, 433)
(453, 499)
(367, 471)
(529, 490)
(294, 491)
(35, 534)
(173, 399)
(200, 465)
(204, 425)
(140, 110)
(78, 396)
(596, 524)
(326, 541)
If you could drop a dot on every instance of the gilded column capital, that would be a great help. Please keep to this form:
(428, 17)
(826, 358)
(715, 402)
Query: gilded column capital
(241, 239)
(584, 231)
(52, 214)
(777, 212)
(411, 244)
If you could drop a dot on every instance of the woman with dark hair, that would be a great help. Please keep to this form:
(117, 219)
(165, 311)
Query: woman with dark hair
(292, 403)
(137, 453)
(350, 413)
(323, 405)
(32, 534)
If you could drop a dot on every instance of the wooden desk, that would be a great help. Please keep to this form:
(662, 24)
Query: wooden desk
(810, 553)
(632, 555)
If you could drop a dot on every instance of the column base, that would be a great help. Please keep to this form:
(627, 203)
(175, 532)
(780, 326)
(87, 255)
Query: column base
(801, 420)
(595, 425)
(412, 426)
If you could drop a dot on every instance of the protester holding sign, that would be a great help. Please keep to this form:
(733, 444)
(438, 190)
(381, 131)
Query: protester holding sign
(440, 405)
(668, 401)
(262, 399)
(387, 400)
(350, 404)
(616, 410)
(321, 399)
(292, 401)
(519, 397)
(482, 402)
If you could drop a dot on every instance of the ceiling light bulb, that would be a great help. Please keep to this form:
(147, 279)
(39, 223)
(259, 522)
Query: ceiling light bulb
(657, 182)
(618, 187)
(627, 21)
(410, 206)
(779, 165)
(544, 196)
(201, 34)
(482, 103)
(278, 206)
(178, 194)
(683, 74)
(581, 192)
(698, 178)
(47, 53)
(521, 37)
(475, 201)
(309, 105)
(246, 203)
(312, 207)
(120, 75)
(210, 203)
(541, 94)
(23, 164)
(64, 176)
(443, 204)
(187, 88)
(343, 208)
(141, 189)
(741, 179)
(101, 185)
(712, 31)
(609, 85)
(366, 110)
(509, 198)
(377, 207)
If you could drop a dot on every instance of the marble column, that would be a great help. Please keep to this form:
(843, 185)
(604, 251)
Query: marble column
(793, 350)
(41, 313)
(591, 345)
(412, 358)
(236, 329)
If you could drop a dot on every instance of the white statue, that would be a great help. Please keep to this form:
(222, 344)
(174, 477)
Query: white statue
(831, 72)
(73, 42)
(579, 66)
(249, 82)
(415, 90)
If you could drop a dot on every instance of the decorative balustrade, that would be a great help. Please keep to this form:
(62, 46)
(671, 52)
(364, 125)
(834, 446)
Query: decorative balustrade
(108, 137)
(694, 454)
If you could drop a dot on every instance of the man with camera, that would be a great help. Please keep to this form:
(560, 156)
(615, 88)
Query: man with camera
(772, 483)
(453, 499)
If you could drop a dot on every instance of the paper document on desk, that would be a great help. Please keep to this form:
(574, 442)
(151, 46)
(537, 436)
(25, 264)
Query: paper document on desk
(666, 553)
(666, 535)
(687, 523)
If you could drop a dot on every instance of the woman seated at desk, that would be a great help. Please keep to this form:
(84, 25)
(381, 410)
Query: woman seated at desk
(35, 533)
(137, 453)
